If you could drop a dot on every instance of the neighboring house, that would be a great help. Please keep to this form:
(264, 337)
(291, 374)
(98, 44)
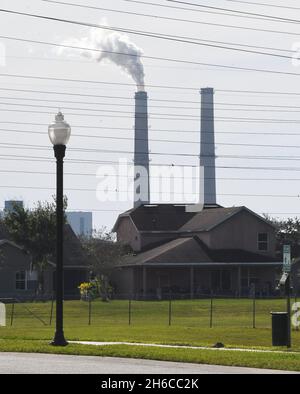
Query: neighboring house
(81, 223)
(18, 280)
(221, 250)
(76, 269)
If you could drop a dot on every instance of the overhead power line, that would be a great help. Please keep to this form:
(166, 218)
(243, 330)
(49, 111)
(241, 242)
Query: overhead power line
(279, 108)
(183, 131)
(238, 12)
(264, 4)
(152, 176)
(207, 23)
(150, 99)
(155, 115)
(38, 77)
(227, 119)
(151, 35)
(160, 140)
(114, 151)
(198, 42)
(164, 18)
(159, 193)
(44, 159)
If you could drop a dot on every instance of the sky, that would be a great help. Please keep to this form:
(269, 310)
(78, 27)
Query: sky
(257, 147)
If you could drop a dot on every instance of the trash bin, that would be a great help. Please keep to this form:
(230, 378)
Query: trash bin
(279, 328)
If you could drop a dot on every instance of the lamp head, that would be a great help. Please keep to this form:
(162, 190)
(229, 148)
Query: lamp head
(59, 131)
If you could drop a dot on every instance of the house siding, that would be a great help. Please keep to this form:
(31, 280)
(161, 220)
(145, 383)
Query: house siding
(240, 232)
(13, 260)
(127, 233)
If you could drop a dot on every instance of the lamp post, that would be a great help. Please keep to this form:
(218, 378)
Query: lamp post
(59, 134)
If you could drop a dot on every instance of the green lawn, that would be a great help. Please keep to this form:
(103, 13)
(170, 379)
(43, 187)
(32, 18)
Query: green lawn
(232, 322)
(232, 325)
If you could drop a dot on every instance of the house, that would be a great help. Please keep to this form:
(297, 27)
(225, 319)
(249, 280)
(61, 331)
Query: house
(19, 280)
(226, 251)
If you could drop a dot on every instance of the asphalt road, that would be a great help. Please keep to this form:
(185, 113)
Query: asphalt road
(22, 363)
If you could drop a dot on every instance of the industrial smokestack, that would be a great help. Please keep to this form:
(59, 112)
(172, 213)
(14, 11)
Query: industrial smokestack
(207, 150)
(141, 150)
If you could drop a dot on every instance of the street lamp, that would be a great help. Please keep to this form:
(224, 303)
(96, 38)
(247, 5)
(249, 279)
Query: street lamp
(59, 134)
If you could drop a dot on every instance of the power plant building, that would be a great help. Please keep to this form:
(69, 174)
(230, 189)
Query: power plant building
(196, 249)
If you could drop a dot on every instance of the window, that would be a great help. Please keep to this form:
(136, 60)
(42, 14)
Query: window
(21, 280)
(262, 241)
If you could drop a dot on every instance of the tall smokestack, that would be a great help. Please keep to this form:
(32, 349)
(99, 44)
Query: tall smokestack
(141, 151)
(207, 151)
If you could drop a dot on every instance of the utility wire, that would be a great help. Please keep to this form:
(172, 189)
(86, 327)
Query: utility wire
(198, 42)
(151, 35)
(217, 118)
(210, 12)
(150, 114)
(261, 4)
(10, 145)
(152, 176)
(164, 18)
(159, 140)
(288, 109)
(157, 100)
(44, 159)
(151, 130)
(240, 13)
(160, 193)
(133, 85)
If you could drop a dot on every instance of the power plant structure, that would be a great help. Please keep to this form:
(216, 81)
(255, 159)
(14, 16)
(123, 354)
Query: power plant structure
(207, 192)
(207, 146)
(141, 151)
(192, 250)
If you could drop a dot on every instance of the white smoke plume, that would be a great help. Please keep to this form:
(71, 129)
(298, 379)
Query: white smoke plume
(112, 46)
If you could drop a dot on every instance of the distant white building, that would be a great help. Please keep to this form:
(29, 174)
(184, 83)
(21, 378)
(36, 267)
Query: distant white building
(81, 222)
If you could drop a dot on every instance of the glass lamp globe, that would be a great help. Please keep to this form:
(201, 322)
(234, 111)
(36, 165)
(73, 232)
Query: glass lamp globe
(59, 131)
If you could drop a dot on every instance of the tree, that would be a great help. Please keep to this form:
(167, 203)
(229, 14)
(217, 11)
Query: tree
(35, 230)
(104, 254)
(287, 233)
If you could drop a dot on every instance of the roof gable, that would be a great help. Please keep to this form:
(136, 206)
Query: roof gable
(209, 219)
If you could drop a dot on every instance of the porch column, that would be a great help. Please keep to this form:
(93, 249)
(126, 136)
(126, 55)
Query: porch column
(192, 281)
(239, 281)
(144, 282)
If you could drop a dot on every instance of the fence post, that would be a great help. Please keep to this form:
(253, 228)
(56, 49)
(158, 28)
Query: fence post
(129, 311)
(51, 312)
(12, 313)
(211, 310)
(170, 311)
(90, 310)
(296, 300)
(254, 308)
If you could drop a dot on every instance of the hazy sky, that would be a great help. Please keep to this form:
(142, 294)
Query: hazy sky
(88, 116)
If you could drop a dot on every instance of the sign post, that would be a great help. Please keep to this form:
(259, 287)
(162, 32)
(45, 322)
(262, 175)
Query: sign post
(287, 270)
(287, 258)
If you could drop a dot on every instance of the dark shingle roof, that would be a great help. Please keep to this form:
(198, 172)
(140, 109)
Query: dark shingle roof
(173, 218)
(210, 218)
(207, 219)
(73, 252)
(161, 217)
(190, 250)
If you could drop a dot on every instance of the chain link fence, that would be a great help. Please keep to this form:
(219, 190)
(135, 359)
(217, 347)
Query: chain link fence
(207, 311)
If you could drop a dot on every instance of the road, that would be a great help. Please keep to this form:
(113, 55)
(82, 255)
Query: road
(22, 363)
